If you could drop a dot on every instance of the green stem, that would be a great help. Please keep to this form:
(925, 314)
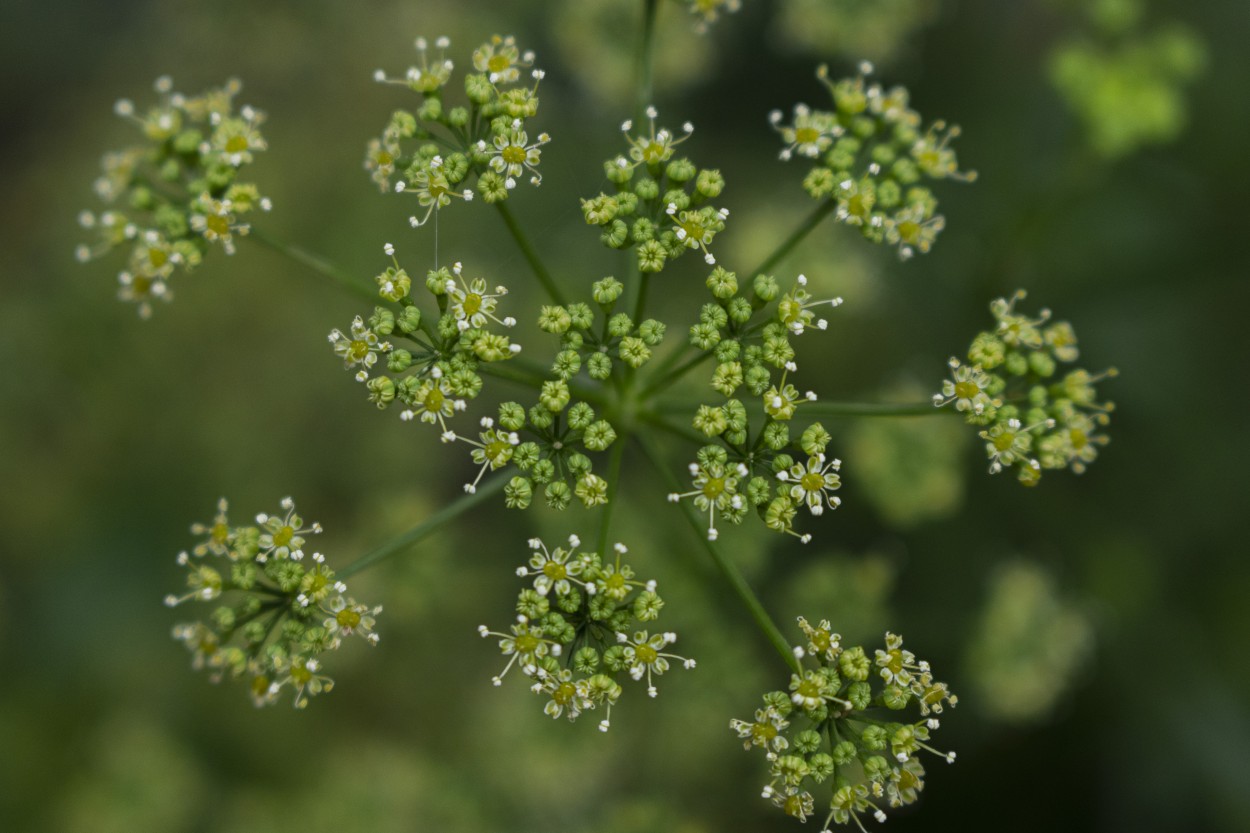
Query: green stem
(531, 256)
(424, 529)
(646, 59)
(316, 263)
(727, 568)
(640, 302)
(675, 374)
(796, 237)
(614, 490)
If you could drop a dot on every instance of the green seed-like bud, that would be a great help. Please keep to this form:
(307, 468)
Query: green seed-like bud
(478, 88)
(855, 664)
(766, 288)
(680, 170)
(554, 319)
(381, 390)
(540, 417)
(709, 183)
(598, 366)
(634, 352)
(607, 290)
(599, 435)
(651, 256)
(646, 188)
(558, 495)
(777, 435)
(652, 332)
(518, 494)
(620, 325)
(554, 395)
(592, 490)
(723, 284)
(580, 416)
(586, 660)
(814, 440)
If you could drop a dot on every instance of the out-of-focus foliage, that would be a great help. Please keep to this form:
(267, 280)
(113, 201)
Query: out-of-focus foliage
(912, 470)
(877, 30)
(1128, 84)
(1029, 644)
(115, 432)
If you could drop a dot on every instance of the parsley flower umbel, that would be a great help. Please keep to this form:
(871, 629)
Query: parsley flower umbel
(836, 732)
(275, 615)
(575, 633)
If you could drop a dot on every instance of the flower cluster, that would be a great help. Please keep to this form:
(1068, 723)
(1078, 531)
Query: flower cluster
(582, 626)
(761, 465)
(441, 152)
(434, 373)
(584, 342)
(1035, 418)
(870, 155)
(548, 445)
(276, 612)
(660, 208)
(178, 191)
(835, 727)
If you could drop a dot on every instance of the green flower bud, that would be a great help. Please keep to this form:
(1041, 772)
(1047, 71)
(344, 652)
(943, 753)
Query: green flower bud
(599, 435)
(651, 256)
(554, 396)
(478, 88)
(776, 435)
(598, 366)
(620, 325)
(607, 290)
(646, 188)
(518, 494)
(381, 390)
(680, 170)
(558, 495)
(709, 183)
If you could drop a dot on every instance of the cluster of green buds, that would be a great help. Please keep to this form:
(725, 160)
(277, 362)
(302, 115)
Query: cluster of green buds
(482, 147)
(435, 372)
(870, 155)
(1035, 417)
(585, 343)
(176, 192)
(275, 612)
(582, 627)
(549, 446)
(707, 12)
(660, 208)
(837, 726)
(762, 465)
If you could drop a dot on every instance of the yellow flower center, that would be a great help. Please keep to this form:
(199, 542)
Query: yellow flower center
(357, 350)
(157, 257)
(1079, 438)
(236, 144)
(713, 488)
(513, 155)
(218, 225)
(300, 674)
(498, 63)
(283, 536)
(909, 231)
(1005, 440)
(140, 285)
(472, 303)
(554, 571)
(806, 135)
(646, 654)
(967, 390)
(526, 643)
(812, 482)
(495, 450)
(347, 618)
(564, 693)
(434, 400)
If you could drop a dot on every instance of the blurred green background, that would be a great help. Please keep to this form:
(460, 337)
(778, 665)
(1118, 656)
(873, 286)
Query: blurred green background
(1092, 627)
